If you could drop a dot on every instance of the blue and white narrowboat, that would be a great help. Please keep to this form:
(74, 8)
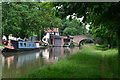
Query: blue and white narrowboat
(14, 45)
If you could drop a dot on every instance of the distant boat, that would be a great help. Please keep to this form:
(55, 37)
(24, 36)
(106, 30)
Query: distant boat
(14, 45)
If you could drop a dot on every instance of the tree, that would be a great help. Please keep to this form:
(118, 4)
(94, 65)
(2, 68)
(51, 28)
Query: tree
(74, 26)
(70, 31)
(17, 18)
(101, 32)
(25, 19)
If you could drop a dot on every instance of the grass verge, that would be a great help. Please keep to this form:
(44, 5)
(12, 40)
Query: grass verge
(87, 63)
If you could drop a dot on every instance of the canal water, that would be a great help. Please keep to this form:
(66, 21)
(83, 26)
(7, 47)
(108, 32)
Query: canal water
(20, 63)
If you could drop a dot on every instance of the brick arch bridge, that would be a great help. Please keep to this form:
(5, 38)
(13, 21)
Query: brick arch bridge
(78, 39)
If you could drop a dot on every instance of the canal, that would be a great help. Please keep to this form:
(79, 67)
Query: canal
(20, 63)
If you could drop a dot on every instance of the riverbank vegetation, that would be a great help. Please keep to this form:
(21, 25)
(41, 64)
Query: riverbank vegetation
(89, 62)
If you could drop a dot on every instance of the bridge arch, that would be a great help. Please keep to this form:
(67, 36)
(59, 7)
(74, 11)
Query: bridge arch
(86, 41)
(78, 39)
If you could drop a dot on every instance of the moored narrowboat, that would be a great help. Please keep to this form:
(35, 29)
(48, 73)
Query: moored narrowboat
(14, 45)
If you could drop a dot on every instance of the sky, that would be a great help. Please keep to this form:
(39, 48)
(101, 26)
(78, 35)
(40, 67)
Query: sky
(87, 27)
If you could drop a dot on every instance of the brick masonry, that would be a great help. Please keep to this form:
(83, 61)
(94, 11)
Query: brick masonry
(78, 39)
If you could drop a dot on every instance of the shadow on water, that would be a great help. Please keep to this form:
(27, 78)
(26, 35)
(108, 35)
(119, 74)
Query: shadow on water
(19, 63)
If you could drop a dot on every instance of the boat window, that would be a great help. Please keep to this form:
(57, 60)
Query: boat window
(21, 44)
(33, 44)
(29, 44)
(24, 44)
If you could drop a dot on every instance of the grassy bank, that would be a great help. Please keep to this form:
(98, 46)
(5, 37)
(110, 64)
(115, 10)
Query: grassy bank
(89, 62)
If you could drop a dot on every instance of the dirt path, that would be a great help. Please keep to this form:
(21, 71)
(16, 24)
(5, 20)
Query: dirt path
(111, 69)
(102, 67)
(105, 73)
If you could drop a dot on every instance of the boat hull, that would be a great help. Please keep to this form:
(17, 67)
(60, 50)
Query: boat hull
(16, 50)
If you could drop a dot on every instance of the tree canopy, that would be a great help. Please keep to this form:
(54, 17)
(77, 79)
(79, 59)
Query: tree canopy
(72, 28)
(25, 19)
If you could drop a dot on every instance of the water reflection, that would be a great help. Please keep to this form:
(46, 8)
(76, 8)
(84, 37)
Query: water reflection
(20, 63)
(9, 61)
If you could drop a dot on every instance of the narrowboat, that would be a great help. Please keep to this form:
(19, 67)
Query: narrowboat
(14, 45)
